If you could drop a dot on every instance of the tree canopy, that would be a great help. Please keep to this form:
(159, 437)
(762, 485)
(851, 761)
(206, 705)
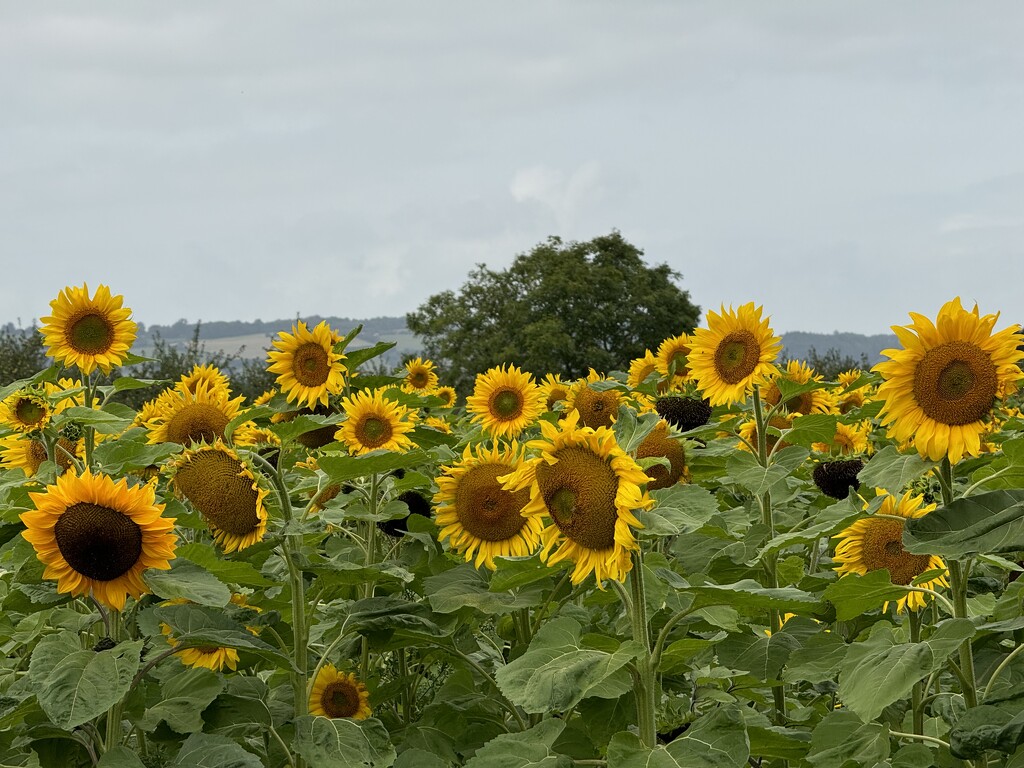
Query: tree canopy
(564, 307)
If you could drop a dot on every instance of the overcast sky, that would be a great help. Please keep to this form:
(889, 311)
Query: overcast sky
(839, 163)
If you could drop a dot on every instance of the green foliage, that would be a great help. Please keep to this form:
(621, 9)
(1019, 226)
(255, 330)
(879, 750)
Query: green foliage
(833, 362)
(561, 308)
(22, 353)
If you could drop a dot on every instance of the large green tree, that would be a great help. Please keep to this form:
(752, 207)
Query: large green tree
(564, 307)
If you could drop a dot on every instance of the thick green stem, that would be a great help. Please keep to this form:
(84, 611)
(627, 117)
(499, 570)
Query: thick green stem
(369, 559)
(89, 432)
(114, 733)
(647, 685)
(914, 618)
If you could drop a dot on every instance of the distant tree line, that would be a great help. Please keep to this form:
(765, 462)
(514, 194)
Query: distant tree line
(219, 329)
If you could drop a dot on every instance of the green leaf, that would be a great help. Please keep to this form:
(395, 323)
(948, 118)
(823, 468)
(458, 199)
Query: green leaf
(189, 581)
(843, 739)
(776, 741)
(557, 671)
(716, 740)
(631, 431)
(516, 572)
(746, 472)
(228, 571)
(947, 638)
(812, 428)
(206, 750)
(465, 587)
(419, 758)
(428, 437)
(812, 533)
(288, 431)
(817, 660)
(748, 595)
(986, 523)
(527, 749)
(983, 728)
(122, 383)
(196, 625)
(120, 757)
(126, 454)
(183, 697)
(680, 509)
(677, 656)
(340, 469)
(878, 672)
(356, 357)
(86, 684)
(762, 656)
(892, 470)
(341, 742)
(854, 594)
(103, 421)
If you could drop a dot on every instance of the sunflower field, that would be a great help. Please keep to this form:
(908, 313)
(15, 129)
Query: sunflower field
(711, 559)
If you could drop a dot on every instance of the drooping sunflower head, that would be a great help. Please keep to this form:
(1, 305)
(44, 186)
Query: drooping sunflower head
(97, 536)
(208, 375)
(373, 422)
(876, 542)
(588, 488)
(25, 411)
(640, 368)
(836, 478)
(88, 331)
(418, 504)
(190, 418)
(940, 387)
(598, 406)
(307, 367)
(505, 401)
(660, 442)
(420, 377)
(554, 390)
(338, 694)
(683, 413)
(224, 490)
(736, 351)
(212, 657)
(477, 515)
(672, 356)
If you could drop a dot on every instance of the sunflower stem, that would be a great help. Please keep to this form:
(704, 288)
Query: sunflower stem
(914, 619)
(368, 561)
(647, 692)
(114, 732)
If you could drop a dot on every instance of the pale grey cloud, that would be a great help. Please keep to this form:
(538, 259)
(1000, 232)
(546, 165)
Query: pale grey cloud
(839, 163)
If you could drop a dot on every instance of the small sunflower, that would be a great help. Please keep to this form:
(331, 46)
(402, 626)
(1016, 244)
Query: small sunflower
(505, 401)
(420, 377)
(735, 352)
(307, 367)
(672, 356)
(477, 515)
(25, 411)
(659, 442)
(588, 487)
(849, 440)
(640, 368)
(88, 332)
(554, 390)
(876, 542)
(941, 386)
(683, 413)
(748, 431)
(375, 423)
(97, 536)
(448, 395)
(28, 453)
(189, 418)
(813, 401)
(224, 490)
(436, 422)
(208, 375)
(597, 407)
(337, 694)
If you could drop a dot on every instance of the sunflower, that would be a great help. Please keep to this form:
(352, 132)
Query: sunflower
(941, 386)
(640, 368)
(672, 355)
(849, 440)
(554, 390)
(876, 542)
(505, 401)
(683, 413)
(307, 367)
(337, 694)
(735, 352)
(212, 657)
(597, 407)
(436, 422)
(97, 536)
(28, 453)
(588, 487)
(25, 411)
(448, 395)
(192, 417)
(208, 375)
(477, 515)
(88, 332)
(420, 377)
(224, 490)
(813, 401)
(660, 443)
(375, 423)
(847, 397)
(748, 432)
